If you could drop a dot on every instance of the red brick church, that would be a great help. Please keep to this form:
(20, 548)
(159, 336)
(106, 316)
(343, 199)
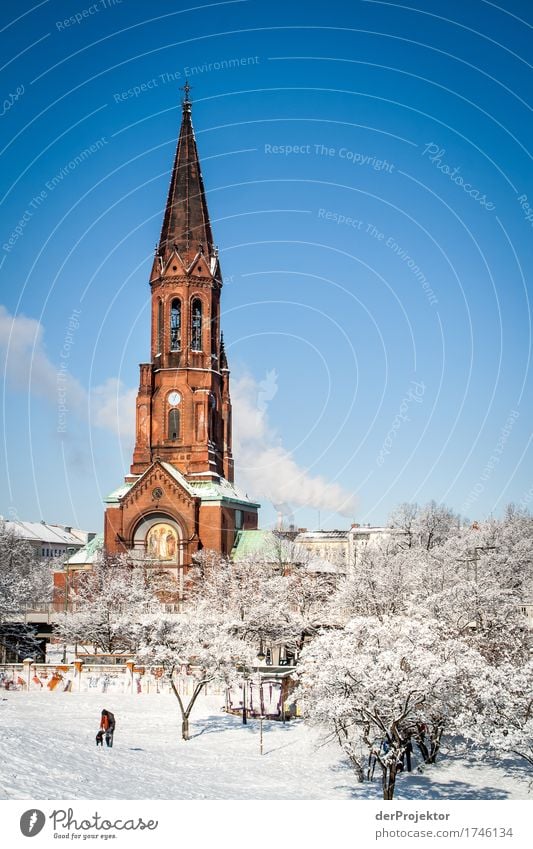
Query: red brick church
(179, 496)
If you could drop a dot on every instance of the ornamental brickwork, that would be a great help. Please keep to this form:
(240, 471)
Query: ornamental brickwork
(180, 496)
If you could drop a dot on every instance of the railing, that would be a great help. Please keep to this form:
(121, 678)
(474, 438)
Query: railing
(52, 609)
(41, 607)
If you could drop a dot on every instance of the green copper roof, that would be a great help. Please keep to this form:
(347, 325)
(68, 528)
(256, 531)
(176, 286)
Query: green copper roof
(88, 553)
(118, 493)
(249, 543)
(220, 491)
(206, 490)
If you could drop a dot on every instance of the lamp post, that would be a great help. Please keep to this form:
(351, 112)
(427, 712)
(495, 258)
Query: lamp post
(244, 686)
(65, 607)
(261, 659)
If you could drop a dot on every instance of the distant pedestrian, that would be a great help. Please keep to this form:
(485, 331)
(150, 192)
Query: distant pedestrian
(107, 728)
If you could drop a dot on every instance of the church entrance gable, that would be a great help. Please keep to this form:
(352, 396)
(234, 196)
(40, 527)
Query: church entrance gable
(158, 493)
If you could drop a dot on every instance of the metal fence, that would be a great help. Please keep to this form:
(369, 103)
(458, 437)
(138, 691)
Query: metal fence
(49, 610)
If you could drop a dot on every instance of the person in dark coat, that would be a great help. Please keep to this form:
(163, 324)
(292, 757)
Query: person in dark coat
(107, 728)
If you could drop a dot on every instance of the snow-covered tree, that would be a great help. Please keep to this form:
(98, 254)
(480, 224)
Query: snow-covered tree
(384, 581)
(24, 580)
(512, 712)
(310, 592)
(108, 605)
(404, 518)
(436, 523)
(378, 686)
(499, 714)
(511, 551)
(426, 526)
(201, 647)
(478, 583)
(231, 588)
(260, 601)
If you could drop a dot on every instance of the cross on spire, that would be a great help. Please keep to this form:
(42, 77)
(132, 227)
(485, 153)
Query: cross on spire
(186, 100)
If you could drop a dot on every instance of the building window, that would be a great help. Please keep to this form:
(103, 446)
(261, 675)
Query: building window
(160, 326)
(175, 325)
(174, 424)
(196, 325)
(238, 519)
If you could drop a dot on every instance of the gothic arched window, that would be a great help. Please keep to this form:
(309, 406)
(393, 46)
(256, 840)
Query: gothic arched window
(160, 326)
(175, 325)
(174, 424)
(196, 325)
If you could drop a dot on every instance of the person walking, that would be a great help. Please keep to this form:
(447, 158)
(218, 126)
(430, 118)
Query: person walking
(107, 729)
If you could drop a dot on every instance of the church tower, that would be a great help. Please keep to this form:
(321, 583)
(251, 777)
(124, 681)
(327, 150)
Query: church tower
(180, 496)
(183, 406)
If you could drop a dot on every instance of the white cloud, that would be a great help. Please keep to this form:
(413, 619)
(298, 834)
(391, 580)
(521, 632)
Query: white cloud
(26, 365)
(265, 467)
(113, 407)
(28, 368)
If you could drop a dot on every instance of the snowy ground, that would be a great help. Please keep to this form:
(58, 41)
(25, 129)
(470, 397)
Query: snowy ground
(47, 751)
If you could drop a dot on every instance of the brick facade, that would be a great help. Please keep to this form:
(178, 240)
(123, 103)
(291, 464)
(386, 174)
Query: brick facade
(180, 496)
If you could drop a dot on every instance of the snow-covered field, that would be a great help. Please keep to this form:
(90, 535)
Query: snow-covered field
(47, 751)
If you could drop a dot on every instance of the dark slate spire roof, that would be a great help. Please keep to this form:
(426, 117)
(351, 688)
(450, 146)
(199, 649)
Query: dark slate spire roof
(223, 358)
(186, 223)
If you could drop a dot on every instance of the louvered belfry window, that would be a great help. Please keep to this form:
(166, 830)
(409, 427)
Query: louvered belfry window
(196, 325)
(175, 325)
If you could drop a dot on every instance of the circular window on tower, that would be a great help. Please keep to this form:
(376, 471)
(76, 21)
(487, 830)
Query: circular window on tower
(174, 398)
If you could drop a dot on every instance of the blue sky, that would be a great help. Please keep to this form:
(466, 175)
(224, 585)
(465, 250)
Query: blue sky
(368, 180)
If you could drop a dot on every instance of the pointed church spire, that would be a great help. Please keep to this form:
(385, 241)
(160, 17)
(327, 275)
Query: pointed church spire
(186, 223)
(223, 358)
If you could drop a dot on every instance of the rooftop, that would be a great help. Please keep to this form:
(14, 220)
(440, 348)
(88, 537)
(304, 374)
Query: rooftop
(322, 535)
(250, 543)
(206, 490)
(43, 532)
(88, 553)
